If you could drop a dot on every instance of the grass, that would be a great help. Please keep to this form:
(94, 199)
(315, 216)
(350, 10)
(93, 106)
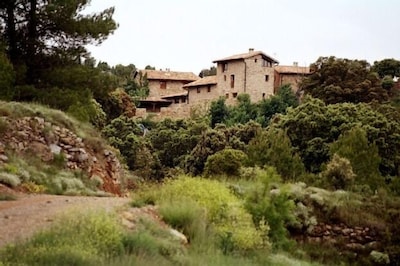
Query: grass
(7, 196)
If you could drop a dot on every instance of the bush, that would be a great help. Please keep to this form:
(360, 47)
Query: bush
(225, 162)
(9, 179)
(187, 217)
(274, 207)
(364, 157)
(224, 211)
(273, 148)
(76, 239)
(339, 173)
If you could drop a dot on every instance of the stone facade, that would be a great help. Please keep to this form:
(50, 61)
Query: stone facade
(203, 90)
(291, 75)
(250, 73)
(164, 83)
(254, 73)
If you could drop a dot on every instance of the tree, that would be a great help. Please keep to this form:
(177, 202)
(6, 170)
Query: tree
(243, 111)
(363, 155)
(336, 80)
(313, 126)
(43, 34)
(218, 111)
(276, 104)
(7, 77)
(212, 71)
(387, 67)
(272, 147)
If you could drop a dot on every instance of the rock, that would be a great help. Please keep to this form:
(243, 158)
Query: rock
(55, 149)
(83, 157)
(372, 245)
(68, 141)
(39, 120)
(179, 236)
(355, 246)
(3, 158)
(128, 224)
(128, 216)
(347, 231)
(42, 150)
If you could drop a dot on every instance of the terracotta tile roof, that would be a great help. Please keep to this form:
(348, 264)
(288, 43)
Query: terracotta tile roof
(174, 95)
(209, 80)
(292, 70)
(245, 56)
(169, 75)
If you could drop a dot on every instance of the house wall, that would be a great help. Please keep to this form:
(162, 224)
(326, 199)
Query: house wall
(256, 84)
(172, 87)
(283, 79)
(235, 68)
(201, 94)
(249, 75)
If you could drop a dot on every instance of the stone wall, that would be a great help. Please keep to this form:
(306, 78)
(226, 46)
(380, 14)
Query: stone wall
(357, 239)
(172, 87)
(201, 94)
(250, 77)
(37, 137)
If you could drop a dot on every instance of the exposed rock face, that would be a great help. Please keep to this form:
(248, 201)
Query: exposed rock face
(33, 135)
(356, 239)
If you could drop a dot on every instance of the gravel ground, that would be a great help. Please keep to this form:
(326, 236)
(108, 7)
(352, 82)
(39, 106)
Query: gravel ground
(23, 217)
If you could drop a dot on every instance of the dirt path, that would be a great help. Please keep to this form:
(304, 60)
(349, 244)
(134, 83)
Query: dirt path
(19, 219)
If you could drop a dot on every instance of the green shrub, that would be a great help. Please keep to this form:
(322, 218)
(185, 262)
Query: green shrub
(339, 173)
(11, 180)
(224, 211)
(76, 239)
(272, 206)
(364, 156)
(7, 196)
(3, 125)
(273, 148)
(226, 162)
(187, 217)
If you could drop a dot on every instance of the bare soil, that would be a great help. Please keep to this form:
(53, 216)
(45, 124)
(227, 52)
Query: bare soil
(21, 218)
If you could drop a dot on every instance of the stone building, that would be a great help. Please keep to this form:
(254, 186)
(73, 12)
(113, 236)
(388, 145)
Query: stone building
(202, 90)
(251, 73)
(291, 75)
(165, 88)
(175, 94)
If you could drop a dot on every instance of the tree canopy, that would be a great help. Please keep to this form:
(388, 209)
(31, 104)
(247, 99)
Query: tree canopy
(387, 67)
(336, 80)
(41, 35)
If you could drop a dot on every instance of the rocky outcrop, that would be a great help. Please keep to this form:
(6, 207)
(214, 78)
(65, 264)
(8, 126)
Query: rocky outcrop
(355, 239)
(34, 135)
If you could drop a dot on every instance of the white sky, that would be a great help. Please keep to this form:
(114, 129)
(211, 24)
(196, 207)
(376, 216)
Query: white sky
(186, 35)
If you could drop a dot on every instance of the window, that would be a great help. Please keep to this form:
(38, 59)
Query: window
(176, 100)
(208, 88)
(183, 99)
(227, 95)
(263, 95)
(266, 63)
(224, 77)
(224, 67)
(234, 94)
(255, 60)
(163, 84)
(198, 89)
(232, 81)
(266, 77)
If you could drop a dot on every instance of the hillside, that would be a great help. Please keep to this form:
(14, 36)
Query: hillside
(44, 150)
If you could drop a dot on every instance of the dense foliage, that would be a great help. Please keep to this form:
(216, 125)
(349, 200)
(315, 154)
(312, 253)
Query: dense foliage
(336, 80)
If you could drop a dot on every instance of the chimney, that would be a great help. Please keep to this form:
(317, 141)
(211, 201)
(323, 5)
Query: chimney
(295, 64)
(251, 50)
